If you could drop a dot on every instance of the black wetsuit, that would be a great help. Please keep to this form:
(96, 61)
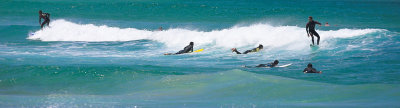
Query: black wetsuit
(252, 50)
(46, 17)
(310, 28)
(267, 65)
(310, 70)
(187, 49)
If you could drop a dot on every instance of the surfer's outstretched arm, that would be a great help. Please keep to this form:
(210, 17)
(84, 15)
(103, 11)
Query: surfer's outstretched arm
(316, 22)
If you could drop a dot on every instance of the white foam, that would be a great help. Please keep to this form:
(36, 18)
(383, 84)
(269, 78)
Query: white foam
(289, 37)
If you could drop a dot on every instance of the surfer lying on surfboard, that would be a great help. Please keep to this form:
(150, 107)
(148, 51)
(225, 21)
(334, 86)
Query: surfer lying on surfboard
(310, 69)
(252, 50)
(187, 49)
(268, 65)
(272, 64)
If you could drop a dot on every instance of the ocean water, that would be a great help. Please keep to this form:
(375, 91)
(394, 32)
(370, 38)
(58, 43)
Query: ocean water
(109, 53)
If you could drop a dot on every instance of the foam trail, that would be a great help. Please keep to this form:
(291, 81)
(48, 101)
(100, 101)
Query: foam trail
(290, 37)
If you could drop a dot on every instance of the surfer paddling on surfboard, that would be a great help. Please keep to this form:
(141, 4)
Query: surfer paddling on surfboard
(310, 69)
(269, 65)
(187, 49)
(252, 50)
(46, 17)
(310, 28)
(272, 64)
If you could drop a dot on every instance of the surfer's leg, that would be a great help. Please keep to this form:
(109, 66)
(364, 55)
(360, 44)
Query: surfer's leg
(41, 25)
(247, 51)
(179, 52)
(317, 35)
(261, 65)
(312, 38)
(314, 33)
(237, 52)
(45, 22)
(48, 22)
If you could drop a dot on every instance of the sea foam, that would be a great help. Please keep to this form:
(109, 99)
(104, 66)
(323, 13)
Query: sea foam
(290, 37)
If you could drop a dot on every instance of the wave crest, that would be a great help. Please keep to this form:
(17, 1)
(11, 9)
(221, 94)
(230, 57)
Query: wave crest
(291, 36)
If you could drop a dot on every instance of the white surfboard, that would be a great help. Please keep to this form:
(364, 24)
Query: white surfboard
(286, 65)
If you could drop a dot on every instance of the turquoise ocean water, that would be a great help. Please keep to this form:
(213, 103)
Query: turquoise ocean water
(108, 53)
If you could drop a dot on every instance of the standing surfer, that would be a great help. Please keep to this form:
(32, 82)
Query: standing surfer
(46, 17)
(310, 28)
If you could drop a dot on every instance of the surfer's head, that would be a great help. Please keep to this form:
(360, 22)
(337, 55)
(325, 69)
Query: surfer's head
(260, 46)
(310, 18)
(40, 11)
(276, 62)
(191, 43)
(309, 65)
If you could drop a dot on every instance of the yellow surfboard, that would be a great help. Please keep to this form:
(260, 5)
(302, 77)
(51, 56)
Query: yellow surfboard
(199, 50)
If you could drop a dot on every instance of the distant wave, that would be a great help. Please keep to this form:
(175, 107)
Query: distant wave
(275, 36)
